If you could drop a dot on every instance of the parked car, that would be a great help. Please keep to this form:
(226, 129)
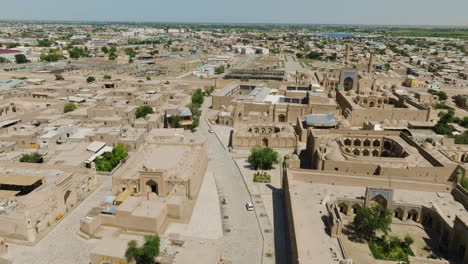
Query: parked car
(249, 206)
(211, 131)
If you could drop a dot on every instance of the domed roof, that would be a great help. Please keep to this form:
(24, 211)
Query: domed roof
(230, 108)
(427, 145)
(343, 123)
(333, 155)
(330, 144)
(403, 123)
(386, 122)
(294, 157)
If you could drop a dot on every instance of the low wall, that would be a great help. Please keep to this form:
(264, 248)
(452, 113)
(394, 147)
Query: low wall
(460, 195)
(369, 181)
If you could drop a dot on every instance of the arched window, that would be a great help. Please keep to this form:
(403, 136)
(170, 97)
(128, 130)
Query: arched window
(367, 142)
(356, 152)
(376, 143)
(357, 142)
(347, 142)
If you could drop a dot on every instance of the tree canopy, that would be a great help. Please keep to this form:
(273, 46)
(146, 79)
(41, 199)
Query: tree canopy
(371, 219)
(90, 79)
(21, 58)
(144, 254)
(198, 97)
(143, 111)
(32, 158)
(109, 160)
(69, 107)
(219, 69)
(442, 95)
(263, 158)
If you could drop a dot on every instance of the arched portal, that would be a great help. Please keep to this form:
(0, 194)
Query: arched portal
(282, 118)
(398, 213)
(343, 207)
(348, 83)
(379, 199)
(412, 215)
(265, 142)
(153, 186)
(356, 208)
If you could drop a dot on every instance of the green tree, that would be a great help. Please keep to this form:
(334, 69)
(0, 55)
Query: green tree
(44, 43)
(21, 58)
(144, 254)
(195, 123)
(371, 219)
(148, 78)
(109, 160)
(219, 69)
(12, 45)
(105, 50)
(90, 79)
(263, 158)
(69, 107)
(130, 52)
(31, 158)
(198, 97)
(59, 77)
(442, 95)
(143, 111)
(107, 77)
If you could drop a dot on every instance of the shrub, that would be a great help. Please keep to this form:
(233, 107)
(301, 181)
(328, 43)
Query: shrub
(143, 111)
(107, 77)
(262, 177)
(32, 158)
(59, 77)
(464, 183)
(69, 107)
(90, 79)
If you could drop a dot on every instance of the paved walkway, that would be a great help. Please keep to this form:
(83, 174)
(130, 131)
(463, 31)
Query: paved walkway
(62, 245)
(242, 242)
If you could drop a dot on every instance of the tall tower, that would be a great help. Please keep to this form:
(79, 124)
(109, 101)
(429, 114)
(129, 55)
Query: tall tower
(347, 54)
(370, 66)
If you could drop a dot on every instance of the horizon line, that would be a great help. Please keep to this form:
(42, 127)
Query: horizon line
(217, 23)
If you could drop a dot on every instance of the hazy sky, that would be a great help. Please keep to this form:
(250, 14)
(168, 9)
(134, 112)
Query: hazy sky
(407, 12)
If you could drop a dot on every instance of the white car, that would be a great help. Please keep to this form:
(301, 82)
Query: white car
(211, 131)
(249, 206)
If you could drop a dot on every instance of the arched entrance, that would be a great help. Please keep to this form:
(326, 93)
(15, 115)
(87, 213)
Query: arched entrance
(356, 208)
(413, 215)
(153, 186)
(265, 142)
(379, 199)
(348, 83)
(398, 213)
(282, 118)
(343, 207)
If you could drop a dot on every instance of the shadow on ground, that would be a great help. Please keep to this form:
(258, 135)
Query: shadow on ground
(282, 249)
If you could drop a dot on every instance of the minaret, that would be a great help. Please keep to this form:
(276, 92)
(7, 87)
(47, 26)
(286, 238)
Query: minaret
(347, 54)
(370, 66)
